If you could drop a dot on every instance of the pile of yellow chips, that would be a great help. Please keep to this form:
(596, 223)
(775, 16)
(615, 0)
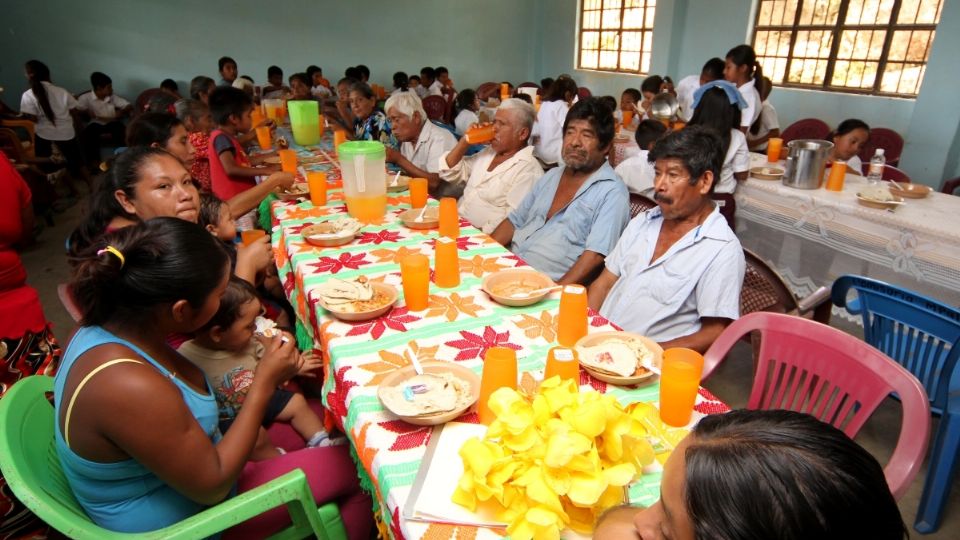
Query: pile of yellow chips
(555, 461)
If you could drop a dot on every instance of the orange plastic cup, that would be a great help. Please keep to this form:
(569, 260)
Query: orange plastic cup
(288, 160)
(837, 173)
(418, 192)
(679, 382)
(678, 125)
(415, 275)
(499, 371)
(627, 119)
(479, 134)
(339, 137)
(449, 219)
(447, 263)
(256, 115)
(573, 315)
(317, 182)
(251, 236)
(562, 362)
(774, 145)
(321, 126)
(263, 138)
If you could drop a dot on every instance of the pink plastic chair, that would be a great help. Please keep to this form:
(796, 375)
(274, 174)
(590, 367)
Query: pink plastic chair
(808, 128)
(812, 368)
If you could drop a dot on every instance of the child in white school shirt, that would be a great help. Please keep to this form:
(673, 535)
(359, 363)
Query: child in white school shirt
(637, 171)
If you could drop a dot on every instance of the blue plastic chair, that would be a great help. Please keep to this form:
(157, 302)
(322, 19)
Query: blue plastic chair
(923, 335)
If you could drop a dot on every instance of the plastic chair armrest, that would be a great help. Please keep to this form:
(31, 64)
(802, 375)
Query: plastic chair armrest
(814, 300)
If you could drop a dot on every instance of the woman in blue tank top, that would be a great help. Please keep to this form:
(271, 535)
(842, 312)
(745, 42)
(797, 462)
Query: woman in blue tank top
(137, 423)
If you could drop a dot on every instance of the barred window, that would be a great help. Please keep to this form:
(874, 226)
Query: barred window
(876, 47)
(616, 35)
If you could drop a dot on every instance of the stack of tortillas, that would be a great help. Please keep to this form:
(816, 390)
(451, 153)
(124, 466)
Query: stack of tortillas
(615, 357)
(337, 292)
(427, 394)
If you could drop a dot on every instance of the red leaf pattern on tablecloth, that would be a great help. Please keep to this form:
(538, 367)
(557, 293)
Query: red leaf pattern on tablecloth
(711, 404)
(463, 243)
(475, 346)
(596, 319)
(298, 229)
(395, 525)
(352, 261)
(395, 319)
(519, 261)
(379, 237)
(337, 399)
(408, 435)
(598, 385)
(288, 283)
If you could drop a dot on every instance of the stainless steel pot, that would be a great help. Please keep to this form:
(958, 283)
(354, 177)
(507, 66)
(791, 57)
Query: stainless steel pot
(664, 106)
(806, 161)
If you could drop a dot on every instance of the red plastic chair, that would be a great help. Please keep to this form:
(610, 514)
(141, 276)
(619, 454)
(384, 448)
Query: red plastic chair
(809, 367)
(584, 92)
(488, 90)
(143, 100)
(435, 107)
(889, 173)
(640, 203)
(808, 128)
(888, 139)
(950, 186)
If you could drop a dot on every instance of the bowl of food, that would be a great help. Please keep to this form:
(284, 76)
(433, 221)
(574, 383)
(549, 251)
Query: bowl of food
(910, 191)
(294, 192)
(402, 183)
(429, 220)
(445, 391)
(878, 197)
(766, 173)
(517, 287)
(335, 232)
(355, 300)
(620, 358)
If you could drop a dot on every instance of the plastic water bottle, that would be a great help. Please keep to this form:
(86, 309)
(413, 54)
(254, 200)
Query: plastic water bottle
(877, 162)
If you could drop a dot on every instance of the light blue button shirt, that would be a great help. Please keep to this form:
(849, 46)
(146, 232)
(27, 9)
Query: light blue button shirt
(592, 220)
(699, 276)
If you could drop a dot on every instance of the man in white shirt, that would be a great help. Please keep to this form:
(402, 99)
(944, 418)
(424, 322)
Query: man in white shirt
(421, 141)
(676, 272)
(105, 112)
(500, 176)
(711, 71)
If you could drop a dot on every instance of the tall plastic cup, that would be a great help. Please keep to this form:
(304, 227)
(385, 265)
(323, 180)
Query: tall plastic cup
(679, 382)
(363, 167)
(304, 121)
(499, 370)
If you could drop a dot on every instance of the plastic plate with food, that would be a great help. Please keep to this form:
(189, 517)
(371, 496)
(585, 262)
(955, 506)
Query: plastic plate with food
(355, 300)
(910, 191)
(445, 391)
(402, 183)
(429, 220)
(878, 197)
(294, 192)
(766, 173)
(620, 358)
(335, 232)
(510, 287)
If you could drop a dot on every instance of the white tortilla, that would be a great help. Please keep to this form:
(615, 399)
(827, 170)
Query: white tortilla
(444, 393)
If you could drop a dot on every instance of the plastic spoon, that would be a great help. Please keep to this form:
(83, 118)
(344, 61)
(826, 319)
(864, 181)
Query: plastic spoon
(395, 179)
(419, 218)
(536, 292)
(415, 361)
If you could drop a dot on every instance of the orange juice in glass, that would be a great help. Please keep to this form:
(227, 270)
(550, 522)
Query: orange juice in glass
(263, 138)
(627, 119)
(447, 263)
(256, 115)
(251, 236)
(415, 276)
(562, 362)
(418, 192)
(838, 171)
(317, 182)
(572, 324)
(449, 219)
(288, 160)
(499, 371)
(679, 382)
(774, 145)
(367, 209)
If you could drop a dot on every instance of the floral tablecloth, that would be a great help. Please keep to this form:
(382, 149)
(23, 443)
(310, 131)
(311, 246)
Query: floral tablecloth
(459, 325)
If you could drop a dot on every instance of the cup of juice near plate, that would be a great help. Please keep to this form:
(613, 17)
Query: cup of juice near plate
(339, 137)
(446, 271)
(288, 160)
(449, 219)
(317, 182)
(415, 276)
(572, 323)
(774, 146)
(481, 134)
(250, 236)
(499, 371)
(562, 362)
(627, 119)
(304, 115)
(679, 383)
(418, 192)
(264, 139)
(363, 167)
(838, 170)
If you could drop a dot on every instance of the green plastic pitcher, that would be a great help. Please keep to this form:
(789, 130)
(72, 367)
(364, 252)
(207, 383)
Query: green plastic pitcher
(305, 121)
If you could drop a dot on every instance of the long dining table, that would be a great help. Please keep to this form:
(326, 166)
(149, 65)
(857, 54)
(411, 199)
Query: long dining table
(459, 325)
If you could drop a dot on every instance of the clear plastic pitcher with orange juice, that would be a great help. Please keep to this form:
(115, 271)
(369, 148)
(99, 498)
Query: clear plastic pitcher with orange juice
(363, 167)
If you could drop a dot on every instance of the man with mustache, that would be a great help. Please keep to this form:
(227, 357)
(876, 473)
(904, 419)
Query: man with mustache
(675, 274)
(573, 216)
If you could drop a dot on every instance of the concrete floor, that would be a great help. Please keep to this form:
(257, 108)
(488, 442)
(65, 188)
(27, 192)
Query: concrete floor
(47, 267)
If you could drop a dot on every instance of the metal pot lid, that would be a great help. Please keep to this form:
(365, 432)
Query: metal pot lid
(664, 106)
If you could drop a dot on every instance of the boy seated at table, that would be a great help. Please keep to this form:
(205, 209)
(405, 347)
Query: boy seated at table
(105, 111)
(637, 171)
(227, 349)
(275, 87)
(629, 100)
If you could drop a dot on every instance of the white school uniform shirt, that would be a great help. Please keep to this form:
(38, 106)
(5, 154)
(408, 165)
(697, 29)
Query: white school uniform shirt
(549, 127)
(320, 91)
(685, 89)
(61, 102)
(736, 160)
(768, 123)
(699, 276)
(435, 89)
(749, 115)
(490, 195)
(432, 142)
(464, 120)
(101, 109)
(637, 173)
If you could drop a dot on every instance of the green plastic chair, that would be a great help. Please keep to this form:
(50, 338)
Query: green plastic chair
(31, 468)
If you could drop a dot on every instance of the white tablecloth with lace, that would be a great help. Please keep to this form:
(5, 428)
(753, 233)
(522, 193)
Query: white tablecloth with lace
(814, 236)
